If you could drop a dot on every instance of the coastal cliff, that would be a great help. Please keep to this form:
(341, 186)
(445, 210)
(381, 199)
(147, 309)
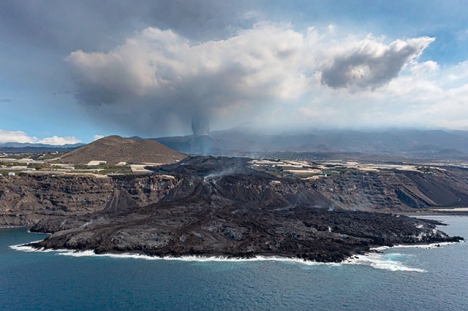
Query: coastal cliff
(222, 207)
(27, 200)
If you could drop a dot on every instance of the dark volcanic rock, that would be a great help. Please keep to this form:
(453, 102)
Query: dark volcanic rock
(304, 232)
(394, 190)
(219, 206)
(30, 200)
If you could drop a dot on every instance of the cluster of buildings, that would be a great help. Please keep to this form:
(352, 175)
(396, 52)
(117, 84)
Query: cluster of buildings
(27, 166)
(312, 170)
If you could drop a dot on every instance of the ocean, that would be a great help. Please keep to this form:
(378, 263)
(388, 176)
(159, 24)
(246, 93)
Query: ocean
(401, 278)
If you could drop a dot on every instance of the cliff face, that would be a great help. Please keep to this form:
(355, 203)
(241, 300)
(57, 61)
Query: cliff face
(25, 201)
(396, 190)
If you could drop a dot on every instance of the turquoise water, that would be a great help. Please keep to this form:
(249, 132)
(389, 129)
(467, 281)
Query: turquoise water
(399, 279)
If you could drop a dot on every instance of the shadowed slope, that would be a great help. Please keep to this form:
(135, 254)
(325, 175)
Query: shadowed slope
(115, 149)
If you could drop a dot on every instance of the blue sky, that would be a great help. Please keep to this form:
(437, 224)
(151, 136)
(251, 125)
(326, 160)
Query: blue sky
(73, 71)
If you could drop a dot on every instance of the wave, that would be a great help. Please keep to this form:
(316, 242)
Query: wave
(424, 246)
(195, 258)
(30, 249)
(388, 262)
(90, 253)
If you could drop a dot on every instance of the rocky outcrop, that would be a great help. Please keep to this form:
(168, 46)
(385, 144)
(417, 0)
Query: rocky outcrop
(221, 207)
(303, 232)
(26, 200)
(394, 190)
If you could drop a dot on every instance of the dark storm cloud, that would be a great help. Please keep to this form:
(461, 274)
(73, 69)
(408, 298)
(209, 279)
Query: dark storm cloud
(89, 25)
(56, 28)
(160, 76)
(372, 65)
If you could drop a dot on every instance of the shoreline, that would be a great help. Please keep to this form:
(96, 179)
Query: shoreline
(340, 253)
(374, 258)
(14, 227)
(253, 256)
(439, 212)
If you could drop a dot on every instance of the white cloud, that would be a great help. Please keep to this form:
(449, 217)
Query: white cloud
(158, 80)
(15, 136)
(96, 137)
(265, 61)
(370, 64)
(159, 76)
(55, 140)
(425, 69)
(421, 96)
(22, 137)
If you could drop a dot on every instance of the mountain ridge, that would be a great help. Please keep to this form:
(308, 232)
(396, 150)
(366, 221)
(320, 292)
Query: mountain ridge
(434, 144)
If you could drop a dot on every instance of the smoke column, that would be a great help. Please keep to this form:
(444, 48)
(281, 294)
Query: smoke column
(200, 126)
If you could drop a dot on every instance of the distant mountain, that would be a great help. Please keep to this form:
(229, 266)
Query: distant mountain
(435, 144)
(35, 148)
(115, 149)
(201, 145)
(32, 145)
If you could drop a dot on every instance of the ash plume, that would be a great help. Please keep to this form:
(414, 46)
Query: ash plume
(159, 82)
(200, 126)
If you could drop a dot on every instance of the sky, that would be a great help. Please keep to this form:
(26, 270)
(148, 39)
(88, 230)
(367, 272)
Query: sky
(74, 71)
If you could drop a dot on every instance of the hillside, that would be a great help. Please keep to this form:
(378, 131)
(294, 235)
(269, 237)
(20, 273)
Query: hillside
(115, 149)
(419, 144)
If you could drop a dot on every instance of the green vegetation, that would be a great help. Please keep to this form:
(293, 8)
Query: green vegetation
(329, 172)
(5, 172)
(47, 155)
(113, 169)
(425, 169)
(55, 161)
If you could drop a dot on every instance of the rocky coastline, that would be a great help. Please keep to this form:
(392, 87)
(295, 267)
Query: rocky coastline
(309, 234)
(222, 207)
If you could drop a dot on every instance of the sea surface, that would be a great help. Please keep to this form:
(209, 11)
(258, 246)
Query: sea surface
(401, 278)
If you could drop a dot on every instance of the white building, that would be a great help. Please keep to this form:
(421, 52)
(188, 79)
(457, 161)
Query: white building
(96, 163)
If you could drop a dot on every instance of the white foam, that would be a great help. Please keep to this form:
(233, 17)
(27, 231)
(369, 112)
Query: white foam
(76, 253)
(90, 253)
(384, 261)
(374, 260)
(30, 249)
(425, 246)
(193, 258)
(381, 261)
